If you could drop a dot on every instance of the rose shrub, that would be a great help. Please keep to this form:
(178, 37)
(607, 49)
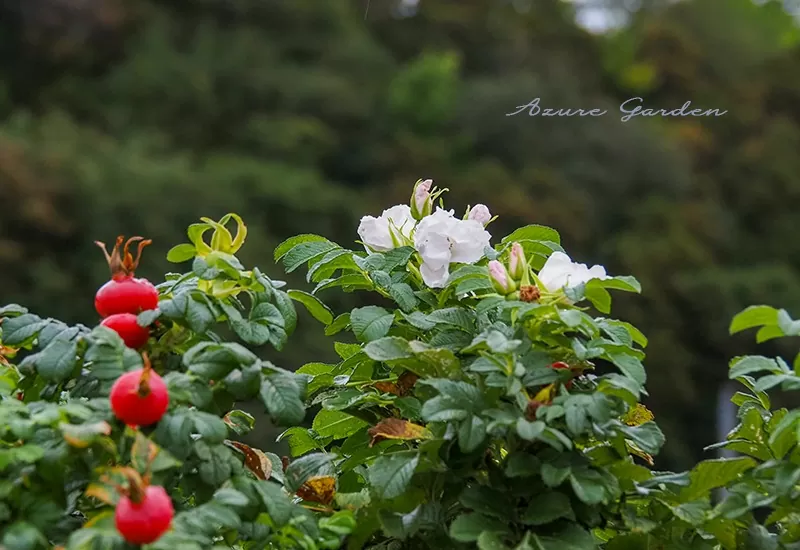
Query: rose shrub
(489, 401)
(66, 462)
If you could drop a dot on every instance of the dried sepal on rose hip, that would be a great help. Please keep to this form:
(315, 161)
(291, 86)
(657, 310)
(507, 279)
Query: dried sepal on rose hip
(144, 512)
(140, 397)
(124, 293)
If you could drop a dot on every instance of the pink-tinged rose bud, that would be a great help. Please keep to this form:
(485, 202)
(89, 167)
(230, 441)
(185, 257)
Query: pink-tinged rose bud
(516, 262)
(480, 213)
(500, 279)
(421, 200)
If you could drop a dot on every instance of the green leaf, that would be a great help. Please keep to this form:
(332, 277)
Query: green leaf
(389, 348)
(629, 365)
(286, 308)
(403, 294)
(213, 361)
(390, 475)
(520, 464)
(647, 436)
(753, 316)
(336, 424)
(471, 433)
(300, 441)
(306, 252)
(533, 233)
(572, 537)
(211, 427)
(530, 431)
(314, 305)
(23, 536)
(276, 501)
(17, 331)
(282, 397)
(231, 497)
(741, 366)
(489, 540)
(339, 324)
(598, 296)
(56, 362)
(181, 253)
(240, 422)
(591, 486)
(783, 433)
(310, 465)
(710, 474)
(291, 242)
(547, 508)
(468, 527)
(336, 259)
(108, 357)
(370, 323)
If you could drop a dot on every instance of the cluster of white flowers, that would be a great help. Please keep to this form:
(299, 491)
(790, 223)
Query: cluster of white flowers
(442, 239)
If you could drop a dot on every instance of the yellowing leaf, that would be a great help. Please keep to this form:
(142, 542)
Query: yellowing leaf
(546, 394)
(103, 516)
(638, 415)
(635, 450)
(319, 489)
(143, 452)
(103, 492)
(396, 428)
(83, 435)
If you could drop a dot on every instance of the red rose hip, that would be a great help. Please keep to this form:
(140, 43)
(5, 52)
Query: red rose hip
(145, 521)
(140, 397)
(124, 293)
(125, 324)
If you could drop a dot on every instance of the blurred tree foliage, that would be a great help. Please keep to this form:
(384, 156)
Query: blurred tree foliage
(141, 116)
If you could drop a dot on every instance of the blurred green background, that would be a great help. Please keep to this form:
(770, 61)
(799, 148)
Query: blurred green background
(140, 116)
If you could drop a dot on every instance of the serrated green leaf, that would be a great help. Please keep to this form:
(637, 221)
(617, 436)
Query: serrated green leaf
(390, 475)
(314, 305)
(370, 323)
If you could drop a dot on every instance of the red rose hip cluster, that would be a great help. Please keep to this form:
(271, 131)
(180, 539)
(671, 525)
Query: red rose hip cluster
(122, 298)
(140, 397)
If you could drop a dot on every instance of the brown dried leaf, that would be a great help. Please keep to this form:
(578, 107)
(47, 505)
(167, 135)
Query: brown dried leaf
(405, 383)
(396, 428)
(254, 459)
(319, 489)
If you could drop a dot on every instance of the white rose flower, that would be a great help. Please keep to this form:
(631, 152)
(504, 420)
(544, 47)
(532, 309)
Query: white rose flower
(376, 233)
(560, 271)
(442, 239)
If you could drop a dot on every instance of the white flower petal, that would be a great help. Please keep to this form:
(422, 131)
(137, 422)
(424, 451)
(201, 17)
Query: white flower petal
(435, 277)
(376, 233)
(556, 271)
(469, 241)
(560, 271)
